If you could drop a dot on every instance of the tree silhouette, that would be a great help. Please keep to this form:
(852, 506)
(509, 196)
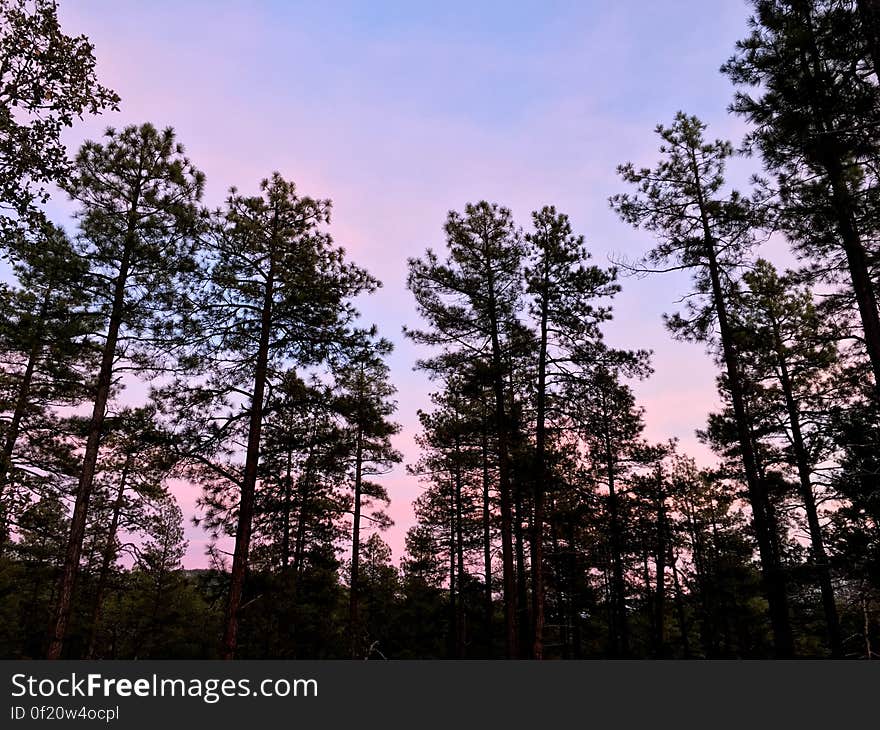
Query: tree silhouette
(680, 201)
(137, 195)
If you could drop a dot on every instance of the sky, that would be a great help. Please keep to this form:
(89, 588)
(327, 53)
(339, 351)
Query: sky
(401, 111)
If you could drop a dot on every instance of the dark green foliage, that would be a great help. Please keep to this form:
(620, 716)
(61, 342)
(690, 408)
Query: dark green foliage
(806, 86)
(47, 356)
(47, 81)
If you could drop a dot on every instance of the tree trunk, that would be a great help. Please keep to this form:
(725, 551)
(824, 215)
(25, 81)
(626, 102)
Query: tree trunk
(857, 262)
(522, 598)
(573, 602)
(452, 634)
(648, 588)
(504, 483)
(160, 590)
(723, 602)
(288, 507)
(660, 562)
(679, 611)
(489, 608)
(353, 596)
(540, 486)
(618, 581)
(562, 589)
(305, 485)
(704, 580)
(459, 554)
(249, 481)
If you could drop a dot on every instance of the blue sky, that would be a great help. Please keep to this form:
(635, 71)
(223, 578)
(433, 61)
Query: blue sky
(400, 111)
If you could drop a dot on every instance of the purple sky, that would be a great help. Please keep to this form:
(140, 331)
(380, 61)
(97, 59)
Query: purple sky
(400, 111)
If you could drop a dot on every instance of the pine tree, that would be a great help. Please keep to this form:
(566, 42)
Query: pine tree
(364, 398)
(449, 510)
(610, 424)
(137, 195)
(791, 355)
(470, 301)
(652, 492)
(301, 500)
(379, 585)
(702, 230)
(422, 562)
(814, 117)
(135, 460)
(713, 562)
(158, 568)
(564, 289)
(43, 526)
(276, 295)
(422, 572)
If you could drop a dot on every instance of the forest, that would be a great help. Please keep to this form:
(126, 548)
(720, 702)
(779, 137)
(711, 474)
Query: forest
(152, 344)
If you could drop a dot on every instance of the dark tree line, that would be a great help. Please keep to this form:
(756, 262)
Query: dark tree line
(159, 346)
(771, 535)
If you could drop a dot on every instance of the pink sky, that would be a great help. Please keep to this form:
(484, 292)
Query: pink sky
(400, 113)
